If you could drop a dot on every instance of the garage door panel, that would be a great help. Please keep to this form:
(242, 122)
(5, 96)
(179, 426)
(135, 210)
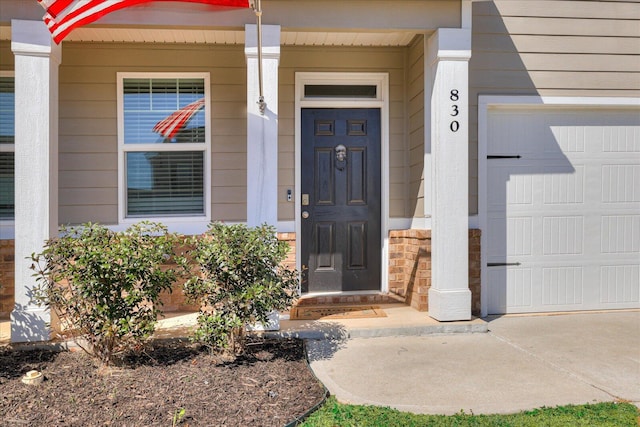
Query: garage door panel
(513, 237)
(566, 139)
(563, 235)
(563, 188)
(519, 235)
(562, 286)
(510, 287)
(519, 189)
(621, 139)
(620, 234)
(620, 183)
(619, 284)
(514, 189)
(563, 218)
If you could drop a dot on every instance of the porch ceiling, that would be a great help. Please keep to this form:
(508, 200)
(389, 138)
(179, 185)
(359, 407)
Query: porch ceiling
(231, 36)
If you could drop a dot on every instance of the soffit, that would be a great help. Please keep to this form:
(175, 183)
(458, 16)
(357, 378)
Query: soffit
(230, 37)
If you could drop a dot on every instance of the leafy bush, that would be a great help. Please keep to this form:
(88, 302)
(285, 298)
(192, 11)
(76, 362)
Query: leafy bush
(106, 285)
(240, 281)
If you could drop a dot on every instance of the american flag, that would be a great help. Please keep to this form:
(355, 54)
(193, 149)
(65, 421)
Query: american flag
(63, 16)
(173, 123)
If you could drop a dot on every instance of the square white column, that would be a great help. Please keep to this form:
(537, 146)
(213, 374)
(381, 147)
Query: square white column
(262, 128)
(448, 54)
(37, 60)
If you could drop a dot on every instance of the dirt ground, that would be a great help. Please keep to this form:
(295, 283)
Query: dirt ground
(270, 386)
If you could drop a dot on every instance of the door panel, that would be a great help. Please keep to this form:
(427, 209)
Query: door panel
(340, 242)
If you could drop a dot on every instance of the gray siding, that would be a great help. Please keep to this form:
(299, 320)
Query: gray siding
(88, 123)
(342, 59)
(6, 56)
(415, 107)
(552, 48)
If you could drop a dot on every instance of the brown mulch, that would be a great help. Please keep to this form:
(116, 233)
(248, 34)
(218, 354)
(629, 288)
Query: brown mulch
(271, 385)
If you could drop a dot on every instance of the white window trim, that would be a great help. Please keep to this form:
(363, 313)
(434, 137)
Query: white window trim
(7, 226)
(183, 224)
(381, 101)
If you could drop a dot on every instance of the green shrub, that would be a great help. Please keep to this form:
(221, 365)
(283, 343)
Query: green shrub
(240, 281)
(106, 285)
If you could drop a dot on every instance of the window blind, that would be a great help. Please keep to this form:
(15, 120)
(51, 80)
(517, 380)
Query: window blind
(7, 192)
(149, 101)
(170, 181)
(165, 183)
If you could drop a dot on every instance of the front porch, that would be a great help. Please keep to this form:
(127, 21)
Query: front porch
(248, 166)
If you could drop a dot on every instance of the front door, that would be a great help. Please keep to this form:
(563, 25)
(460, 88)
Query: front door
(340, 200)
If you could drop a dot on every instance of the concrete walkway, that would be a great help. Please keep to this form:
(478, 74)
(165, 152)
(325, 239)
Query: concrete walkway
(523, 362)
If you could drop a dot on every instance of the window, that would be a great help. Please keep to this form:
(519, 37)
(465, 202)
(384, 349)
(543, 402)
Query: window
(340, 91)
(164, 142)
(7, 147)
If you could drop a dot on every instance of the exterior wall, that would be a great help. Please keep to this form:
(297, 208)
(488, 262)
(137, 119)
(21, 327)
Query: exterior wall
(88, 123)
(342, 59)
(415, 128)
(410, 267)
(551, 48)
(6, 56)
(6, 277)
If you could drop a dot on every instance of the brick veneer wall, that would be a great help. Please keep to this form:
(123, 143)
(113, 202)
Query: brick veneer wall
(410, 267)
(409, 270)
(172, 302)
(7, 278)
(290, 238)
(175, 301)
(474, 271)
(7, 248)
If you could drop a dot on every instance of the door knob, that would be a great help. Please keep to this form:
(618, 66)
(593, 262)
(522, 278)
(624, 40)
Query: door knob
(305, 214)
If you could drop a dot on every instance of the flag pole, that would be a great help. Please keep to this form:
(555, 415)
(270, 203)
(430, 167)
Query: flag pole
(262, 105)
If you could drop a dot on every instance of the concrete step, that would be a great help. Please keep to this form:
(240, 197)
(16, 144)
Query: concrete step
(401, 320)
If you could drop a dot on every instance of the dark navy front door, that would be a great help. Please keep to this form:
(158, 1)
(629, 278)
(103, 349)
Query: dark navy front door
(340, 200)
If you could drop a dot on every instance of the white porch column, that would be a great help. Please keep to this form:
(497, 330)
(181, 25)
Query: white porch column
(37, 60)
(262, 129)
(448, 54)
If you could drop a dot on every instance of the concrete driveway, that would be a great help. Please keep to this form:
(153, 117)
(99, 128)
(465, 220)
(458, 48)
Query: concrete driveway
(523, 362)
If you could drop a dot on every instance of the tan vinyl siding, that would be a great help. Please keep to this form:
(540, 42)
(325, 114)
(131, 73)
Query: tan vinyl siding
(6, 56)
(342, 59)
(88, 123)
(551, 48)
(415, 97)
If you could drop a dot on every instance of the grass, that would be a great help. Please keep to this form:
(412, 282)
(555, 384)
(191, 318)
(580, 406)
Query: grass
(334, 414)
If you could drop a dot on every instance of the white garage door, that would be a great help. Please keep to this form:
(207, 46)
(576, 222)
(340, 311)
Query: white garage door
(563, 209)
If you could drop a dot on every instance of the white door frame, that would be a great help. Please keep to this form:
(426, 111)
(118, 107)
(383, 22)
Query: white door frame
(381, 101)
(485, 104)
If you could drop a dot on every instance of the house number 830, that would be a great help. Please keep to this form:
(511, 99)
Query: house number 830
(454, 96)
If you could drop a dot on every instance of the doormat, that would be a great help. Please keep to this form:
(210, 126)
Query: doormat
(336, 312)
